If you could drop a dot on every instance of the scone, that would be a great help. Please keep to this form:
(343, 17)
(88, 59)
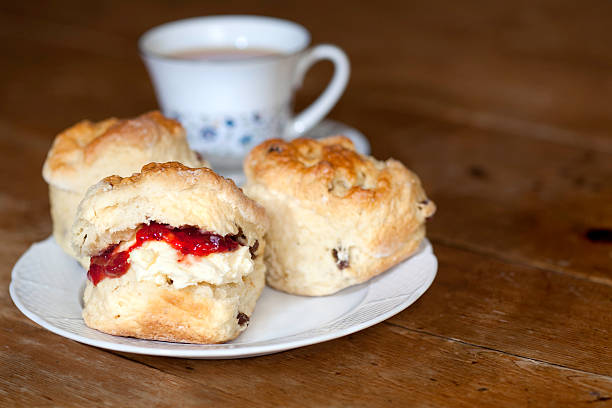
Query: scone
(337, 218)
(87, 152)
(176, 255)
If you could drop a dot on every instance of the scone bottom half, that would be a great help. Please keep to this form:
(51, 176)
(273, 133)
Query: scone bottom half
(161, 280)
(337, 218)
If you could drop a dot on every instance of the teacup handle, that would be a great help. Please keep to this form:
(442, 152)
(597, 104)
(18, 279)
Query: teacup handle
(313, 114)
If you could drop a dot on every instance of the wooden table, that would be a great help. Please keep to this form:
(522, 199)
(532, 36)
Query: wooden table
(502, 108)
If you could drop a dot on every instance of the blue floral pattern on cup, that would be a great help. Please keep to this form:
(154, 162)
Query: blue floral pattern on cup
(208, 133)
(231, 135)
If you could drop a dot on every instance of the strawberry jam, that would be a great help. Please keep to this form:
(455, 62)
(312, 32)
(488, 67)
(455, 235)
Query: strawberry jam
(187, 240)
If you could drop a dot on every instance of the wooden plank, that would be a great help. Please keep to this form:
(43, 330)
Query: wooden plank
(529, 312)
(388, 365)
(542, 217)
(76, 85)
(474, 299)
(525, 200)
(461, 178)
(502, 108)
(383, 365)
(527, 68)
(39, 368)
(475, 67)
(24, 205)
(520, 310)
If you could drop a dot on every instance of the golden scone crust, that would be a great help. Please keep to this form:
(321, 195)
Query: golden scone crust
(337, 217)
(169, 193)
(87, 152)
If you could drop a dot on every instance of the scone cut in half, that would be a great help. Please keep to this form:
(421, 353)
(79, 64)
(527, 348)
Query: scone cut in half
(87, 152)
(176, 255)
(337, 218)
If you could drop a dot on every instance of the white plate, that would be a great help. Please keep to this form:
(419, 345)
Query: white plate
(47, 286)
(325, 128)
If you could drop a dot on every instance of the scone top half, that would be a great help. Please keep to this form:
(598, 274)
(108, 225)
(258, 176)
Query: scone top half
(167, 193)
(337, 217)
(151, 287)
(87, 152)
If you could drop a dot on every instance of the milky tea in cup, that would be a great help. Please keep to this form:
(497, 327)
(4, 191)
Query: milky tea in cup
(230, 81)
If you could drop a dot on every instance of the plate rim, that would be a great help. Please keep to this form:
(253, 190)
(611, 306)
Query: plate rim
(239, 351)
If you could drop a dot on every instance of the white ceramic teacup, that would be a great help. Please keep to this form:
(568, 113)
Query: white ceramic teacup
(230, 105)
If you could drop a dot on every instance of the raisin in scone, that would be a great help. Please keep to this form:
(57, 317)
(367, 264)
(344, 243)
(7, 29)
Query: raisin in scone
(337, 218)
(176, 255)
(87, 152)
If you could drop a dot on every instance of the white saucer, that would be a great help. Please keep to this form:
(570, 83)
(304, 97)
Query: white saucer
(326, 128)
(47, 287)
(330, 127)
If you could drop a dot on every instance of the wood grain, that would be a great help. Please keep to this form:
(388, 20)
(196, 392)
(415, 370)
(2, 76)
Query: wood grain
(503, 110)
(566, 190)
(518, 198)
(473, 65)
(39, 368)
(388, 365)
(519, 310)
(383, 365)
